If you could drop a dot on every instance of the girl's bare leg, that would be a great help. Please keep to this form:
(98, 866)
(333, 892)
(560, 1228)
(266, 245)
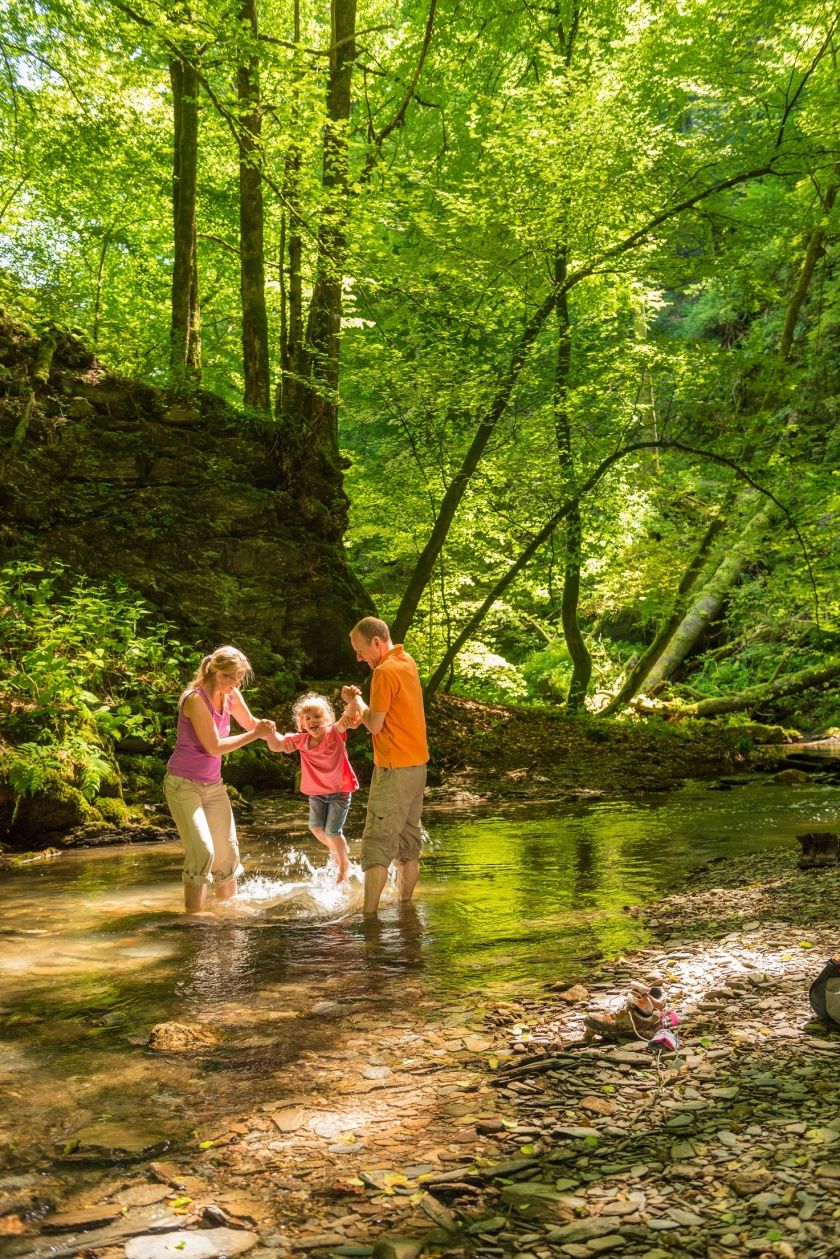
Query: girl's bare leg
(337, 845)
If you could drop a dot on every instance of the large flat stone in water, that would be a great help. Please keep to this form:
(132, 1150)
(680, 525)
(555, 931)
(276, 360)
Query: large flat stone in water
(206, 1244)
(115, 1141)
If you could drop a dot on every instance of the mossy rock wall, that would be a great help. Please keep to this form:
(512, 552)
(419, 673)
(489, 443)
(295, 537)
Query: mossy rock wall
(180, 499)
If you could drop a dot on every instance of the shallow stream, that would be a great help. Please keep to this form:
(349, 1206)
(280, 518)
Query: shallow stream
(94, 948)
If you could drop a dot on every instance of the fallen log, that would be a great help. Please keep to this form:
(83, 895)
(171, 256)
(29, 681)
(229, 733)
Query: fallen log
(751, 698)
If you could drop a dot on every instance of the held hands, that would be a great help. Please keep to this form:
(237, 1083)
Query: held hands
(352, 713)
(265, 728)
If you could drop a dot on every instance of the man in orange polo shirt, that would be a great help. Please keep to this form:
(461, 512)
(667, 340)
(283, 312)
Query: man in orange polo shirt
(397, 720)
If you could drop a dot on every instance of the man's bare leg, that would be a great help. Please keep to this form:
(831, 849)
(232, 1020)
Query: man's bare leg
(407, 873)
(227, 890)
(195, 897)
(375, 879)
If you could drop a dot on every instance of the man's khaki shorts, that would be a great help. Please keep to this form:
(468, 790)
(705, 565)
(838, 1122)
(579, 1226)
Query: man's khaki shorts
(392, 826)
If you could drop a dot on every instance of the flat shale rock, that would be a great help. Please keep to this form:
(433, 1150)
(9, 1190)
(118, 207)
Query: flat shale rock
(181, 1038)
(83, 1218)
(211, 1243)
(113, 1142)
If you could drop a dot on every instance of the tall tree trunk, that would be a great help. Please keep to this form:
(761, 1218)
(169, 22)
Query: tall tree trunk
(307, 445)
(294, 360)
(100, 282)
(255, 349)
(185, 331)
(580, 657)
(324, 324)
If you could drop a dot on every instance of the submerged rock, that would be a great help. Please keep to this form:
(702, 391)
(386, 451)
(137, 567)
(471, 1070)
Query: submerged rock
(205, 1244)
(114, 1142)
(181, 1038)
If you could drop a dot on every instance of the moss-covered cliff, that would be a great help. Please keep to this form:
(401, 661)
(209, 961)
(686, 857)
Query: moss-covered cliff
(177, 497)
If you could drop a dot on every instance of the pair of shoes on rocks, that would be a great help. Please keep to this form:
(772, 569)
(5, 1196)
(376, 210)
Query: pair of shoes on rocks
(638, 1017)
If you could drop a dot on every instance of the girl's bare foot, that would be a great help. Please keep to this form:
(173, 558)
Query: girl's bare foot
(342, 857)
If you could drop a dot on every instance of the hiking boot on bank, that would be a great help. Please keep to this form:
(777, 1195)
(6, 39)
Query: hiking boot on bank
(638, 1017)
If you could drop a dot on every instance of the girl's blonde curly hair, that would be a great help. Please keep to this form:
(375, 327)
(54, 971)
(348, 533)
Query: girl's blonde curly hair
(309, 701)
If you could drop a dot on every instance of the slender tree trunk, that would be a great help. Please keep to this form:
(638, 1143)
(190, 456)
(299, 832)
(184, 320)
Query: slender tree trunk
(294, 361)
(324, 324)
(754, 696)
(425, 563)
(255, 349)
(580, 657)
(307, 446)
(185, 330)
(100, 279)
(689, 580)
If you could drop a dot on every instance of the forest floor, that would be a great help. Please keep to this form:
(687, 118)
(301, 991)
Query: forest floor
(485, 749)
(486, 1128)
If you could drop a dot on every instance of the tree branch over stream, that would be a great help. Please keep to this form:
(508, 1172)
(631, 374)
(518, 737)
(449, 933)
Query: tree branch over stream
(424, 565)
(563, 511)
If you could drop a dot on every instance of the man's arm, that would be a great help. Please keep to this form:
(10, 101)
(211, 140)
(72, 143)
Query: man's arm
(373, 719)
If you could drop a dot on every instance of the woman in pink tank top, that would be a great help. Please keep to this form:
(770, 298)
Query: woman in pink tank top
(195, 793)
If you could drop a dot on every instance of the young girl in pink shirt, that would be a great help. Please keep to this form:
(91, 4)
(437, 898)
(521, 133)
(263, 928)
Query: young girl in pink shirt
(326, 775)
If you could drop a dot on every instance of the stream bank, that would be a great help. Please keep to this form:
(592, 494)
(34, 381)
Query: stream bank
(481, 754)
(482, 1127)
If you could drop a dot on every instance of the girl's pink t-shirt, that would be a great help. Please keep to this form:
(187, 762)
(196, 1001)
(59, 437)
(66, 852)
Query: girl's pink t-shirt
(324, 769)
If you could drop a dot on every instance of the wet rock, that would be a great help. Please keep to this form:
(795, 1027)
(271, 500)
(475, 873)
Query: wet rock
(204, 1244)
(751, 1181)
(489, 1224)
(83, 1218)
(289, 1119)
(581, 1230)
(791, 777)
(181, 1038)
(572, 995)
(397, 1248)
(315, 1241)
(113, 1142)
(489, 1126)
(142, 1195)
(534, 1197)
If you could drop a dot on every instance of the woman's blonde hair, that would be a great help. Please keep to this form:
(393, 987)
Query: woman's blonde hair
(312, 700)
(228, 660)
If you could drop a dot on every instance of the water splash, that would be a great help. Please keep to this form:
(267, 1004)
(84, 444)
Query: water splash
(301, 890)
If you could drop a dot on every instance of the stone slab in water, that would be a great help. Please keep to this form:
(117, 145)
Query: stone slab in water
(84, 1217)
(207, 1244)
(114, 1142)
